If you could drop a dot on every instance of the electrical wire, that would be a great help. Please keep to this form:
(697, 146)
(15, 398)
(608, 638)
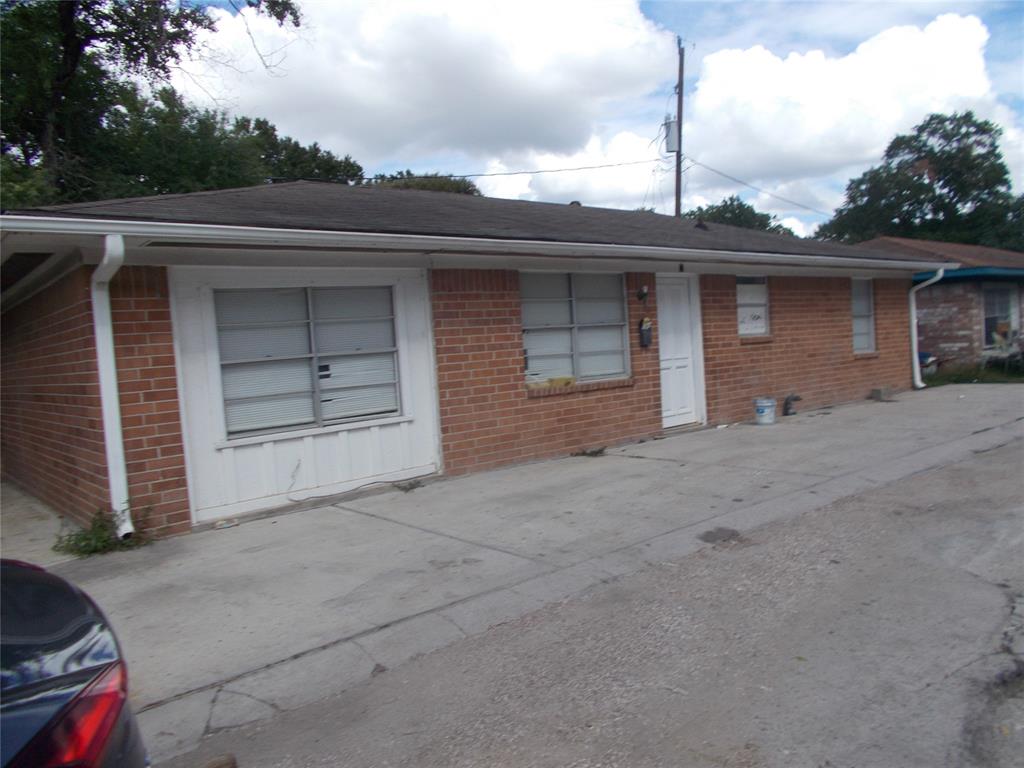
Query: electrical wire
(526, 173)
(756, 189)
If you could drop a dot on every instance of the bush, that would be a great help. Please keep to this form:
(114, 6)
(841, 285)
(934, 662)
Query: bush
(975, 375)
(100, 537)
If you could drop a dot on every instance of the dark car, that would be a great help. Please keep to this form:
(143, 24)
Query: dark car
(64, 682)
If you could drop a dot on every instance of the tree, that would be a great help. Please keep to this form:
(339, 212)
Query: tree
(945, 181)
(737, 213)
(283, 157)
(432, 182)
(164, 145)
(59, 56)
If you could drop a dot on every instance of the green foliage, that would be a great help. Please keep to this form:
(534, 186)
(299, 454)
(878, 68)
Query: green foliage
(22, 186)
(100, 537)
(993, 374)
(162, 145)
(433, 182)
(65, 63)
(737, 213)
(945, 181)
(282, 157)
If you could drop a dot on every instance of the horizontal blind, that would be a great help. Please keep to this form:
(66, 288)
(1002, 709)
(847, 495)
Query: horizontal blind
(297, 356)
(752, 306)
(863, 315)
(573, 325)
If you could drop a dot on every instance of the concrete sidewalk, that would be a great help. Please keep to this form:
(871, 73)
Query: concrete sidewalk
(29, 528)
(232, 626)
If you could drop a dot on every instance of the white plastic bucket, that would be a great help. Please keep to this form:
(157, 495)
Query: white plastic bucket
(764, 407)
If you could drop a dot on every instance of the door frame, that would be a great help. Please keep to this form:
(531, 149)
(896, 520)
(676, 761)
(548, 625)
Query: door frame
(200, 394)
(696, 341)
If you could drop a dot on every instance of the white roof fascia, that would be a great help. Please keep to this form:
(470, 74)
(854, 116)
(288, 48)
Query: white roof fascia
(213, 234)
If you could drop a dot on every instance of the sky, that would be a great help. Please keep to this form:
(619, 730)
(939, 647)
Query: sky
(792, 98)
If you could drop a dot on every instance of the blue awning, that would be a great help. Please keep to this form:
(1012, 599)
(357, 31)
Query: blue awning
(975, 273)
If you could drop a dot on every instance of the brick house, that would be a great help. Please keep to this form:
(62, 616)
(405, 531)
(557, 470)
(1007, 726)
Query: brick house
(188, 358)
(962, 318)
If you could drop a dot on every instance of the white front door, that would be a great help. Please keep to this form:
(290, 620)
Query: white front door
(679, 346)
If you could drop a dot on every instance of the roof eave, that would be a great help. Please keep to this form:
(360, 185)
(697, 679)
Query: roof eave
(219, 234)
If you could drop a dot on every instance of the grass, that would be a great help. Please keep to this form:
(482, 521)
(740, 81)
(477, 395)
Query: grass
(975, 375)
(100, 537)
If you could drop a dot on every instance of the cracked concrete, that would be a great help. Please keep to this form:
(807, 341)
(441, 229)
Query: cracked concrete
(879, 630)
(294, 608)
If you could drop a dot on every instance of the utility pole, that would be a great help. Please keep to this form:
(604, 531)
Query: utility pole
(679, 128)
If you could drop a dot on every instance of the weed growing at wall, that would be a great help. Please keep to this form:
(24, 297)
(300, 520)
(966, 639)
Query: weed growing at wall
(97, 539)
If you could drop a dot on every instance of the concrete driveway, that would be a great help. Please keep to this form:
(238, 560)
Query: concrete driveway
(234, 626)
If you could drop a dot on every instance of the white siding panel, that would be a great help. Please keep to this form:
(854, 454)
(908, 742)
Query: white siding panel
(249, 471)
(230, 476)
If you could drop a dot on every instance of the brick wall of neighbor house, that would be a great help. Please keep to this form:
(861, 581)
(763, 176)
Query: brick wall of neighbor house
(810, 349)
(52, 427)
(52, 419)
(150, 416)
(950, 322)
(489, 416)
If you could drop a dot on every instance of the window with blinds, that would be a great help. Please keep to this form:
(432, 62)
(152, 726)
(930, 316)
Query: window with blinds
(863, 315)
(574, 325)
(752, 306)
(295, 357)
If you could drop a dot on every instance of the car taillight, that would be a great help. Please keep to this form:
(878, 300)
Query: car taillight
(78, 737)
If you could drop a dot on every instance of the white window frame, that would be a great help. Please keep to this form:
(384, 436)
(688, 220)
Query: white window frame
(870, 316)
(764, 305)
(316, 367)
(1013, 291)
(573, 326)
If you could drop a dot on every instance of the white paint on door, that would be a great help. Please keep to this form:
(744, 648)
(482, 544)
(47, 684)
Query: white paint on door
(230, 476)
(682, 385)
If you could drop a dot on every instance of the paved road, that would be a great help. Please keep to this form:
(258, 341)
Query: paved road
(884, 629)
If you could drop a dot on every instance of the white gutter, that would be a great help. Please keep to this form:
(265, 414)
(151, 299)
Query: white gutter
(213, 235)
(915, 361)
(110, 400)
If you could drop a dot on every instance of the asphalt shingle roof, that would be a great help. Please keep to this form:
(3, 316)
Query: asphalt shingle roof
(334, 207)
(967, 255)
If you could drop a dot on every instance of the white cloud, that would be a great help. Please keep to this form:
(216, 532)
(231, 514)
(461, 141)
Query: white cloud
(631, 185)
(391, 82)
(761, 116)
(464, 86)
(800, 228)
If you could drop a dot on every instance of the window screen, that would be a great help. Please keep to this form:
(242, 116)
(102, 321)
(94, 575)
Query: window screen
(752, 306)
(292, 357)
(573, 325)
(863, 315)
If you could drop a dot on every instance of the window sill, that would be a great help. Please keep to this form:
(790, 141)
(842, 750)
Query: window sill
(535, 390)
(294, 434)
(865, 355)
(756, 339)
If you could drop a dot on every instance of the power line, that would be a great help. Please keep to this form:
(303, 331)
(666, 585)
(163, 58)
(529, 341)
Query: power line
(756, 189)
(662, 170)
(525, 173)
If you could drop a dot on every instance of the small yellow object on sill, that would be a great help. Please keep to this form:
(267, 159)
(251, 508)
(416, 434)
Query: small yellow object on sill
(558, 381)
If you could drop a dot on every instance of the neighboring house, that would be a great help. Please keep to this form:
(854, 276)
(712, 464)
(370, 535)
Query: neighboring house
(973, 312)
(194, 357)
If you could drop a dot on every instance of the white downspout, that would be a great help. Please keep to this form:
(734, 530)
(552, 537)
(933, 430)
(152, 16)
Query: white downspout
(110, 400)
(915, 361)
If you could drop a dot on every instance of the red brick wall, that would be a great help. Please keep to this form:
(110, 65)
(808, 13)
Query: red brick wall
(150, 416)
(52, 428)
(951, 321)
(52, 437)
(810, 349)
(488, 415)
